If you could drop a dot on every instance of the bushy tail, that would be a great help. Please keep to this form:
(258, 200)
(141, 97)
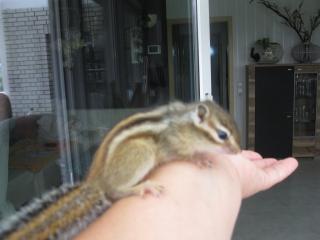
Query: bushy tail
(59, 214)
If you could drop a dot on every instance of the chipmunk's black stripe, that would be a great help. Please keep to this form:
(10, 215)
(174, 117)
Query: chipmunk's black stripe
(155, 116)
(139, 121)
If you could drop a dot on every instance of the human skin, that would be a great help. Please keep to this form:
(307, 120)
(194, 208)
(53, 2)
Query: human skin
(197, 203)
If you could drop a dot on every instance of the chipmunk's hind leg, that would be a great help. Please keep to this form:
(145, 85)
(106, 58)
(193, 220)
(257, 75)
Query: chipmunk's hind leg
(136, 158)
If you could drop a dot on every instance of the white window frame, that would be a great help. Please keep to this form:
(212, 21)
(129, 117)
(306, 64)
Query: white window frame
(204, 57)
(3, 56)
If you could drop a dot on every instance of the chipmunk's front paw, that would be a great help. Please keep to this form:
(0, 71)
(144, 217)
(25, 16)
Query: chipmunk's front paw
(149, 187)
(202, 160)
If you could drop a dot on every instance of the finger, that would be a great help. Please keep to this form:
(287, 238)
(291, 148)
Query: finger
(278, 171)
(251, 155)
(265, 162)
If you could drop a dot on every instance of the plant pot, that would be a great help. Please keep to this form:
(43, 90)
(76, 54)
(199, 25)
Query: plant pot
(267, 55)
(305, 52)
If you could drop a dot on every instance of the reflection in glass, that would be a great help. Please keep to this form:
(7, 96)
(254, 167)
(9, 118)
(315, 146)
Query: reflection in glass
(29, 143)
(220, 62)
(115, 62)
(75, 68)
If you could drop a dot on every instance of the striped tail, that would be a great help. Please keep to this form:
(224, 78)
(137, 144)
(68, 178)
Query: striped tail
(60, 214)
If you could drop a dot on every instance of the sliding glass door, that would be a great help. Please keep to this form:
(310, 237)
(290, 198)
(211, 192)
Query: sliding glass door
(116, 57)
(74, 68)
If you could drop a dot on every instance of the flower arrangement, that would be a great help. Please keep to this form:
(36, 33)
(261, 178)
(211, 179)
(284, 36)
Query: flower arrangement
(293, 18)
(265, 51)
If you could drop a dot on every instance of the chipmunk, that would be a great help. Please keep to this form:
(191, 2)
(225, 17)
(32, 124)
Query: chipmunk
(129, 152)
(140, 143)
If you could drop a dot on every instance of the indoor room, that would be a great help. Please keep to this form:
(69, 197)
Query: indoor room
(72, 69)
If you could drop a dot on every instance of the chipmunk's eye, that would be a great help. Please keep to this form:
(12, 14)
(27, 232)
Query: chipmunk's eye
(222, 135)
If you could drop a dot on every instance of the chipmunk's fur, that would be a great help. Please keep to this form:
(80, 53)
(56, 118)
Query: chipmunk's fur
(141, 142)
(59, 214)
(129, 152)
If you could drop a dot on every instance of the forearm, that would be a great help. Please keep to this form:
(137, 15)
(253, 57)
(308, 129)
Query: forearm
(197, 204)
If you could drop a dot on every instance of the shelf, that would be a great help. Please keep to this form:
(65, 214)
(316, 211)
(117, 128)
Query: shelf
(303, 146)
(303, 155)
(304, 138)
(304, 120)
(303, 134)
(297, 97)
(96, 69)
(311, 121)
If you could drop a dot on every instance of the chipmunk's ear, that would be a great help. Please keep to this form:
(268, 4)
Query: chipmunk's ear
(202, 112)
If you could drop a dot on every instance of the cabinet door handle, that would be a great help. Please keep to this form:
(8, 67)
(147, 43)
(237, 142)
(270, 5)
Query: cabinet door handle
(288, 116)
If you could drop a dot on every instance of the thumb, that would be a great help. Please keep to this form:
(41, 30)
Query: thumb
(278, 171)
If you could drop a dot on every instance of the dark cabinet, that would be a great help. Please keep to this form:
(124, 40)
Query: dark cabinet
(282, 106)
(274, 110)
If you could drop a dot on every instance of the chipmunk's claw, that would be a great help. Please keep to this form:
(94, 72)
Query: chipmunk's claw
(150, 187)
(202, 160)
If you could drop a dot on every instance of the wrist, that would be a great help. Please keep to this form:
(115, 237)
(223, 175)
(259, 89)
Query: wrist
(203, 202)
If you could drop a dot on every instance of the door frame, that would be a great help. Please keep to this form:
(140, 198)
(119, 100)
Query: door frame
(67, 171)
(228, 20)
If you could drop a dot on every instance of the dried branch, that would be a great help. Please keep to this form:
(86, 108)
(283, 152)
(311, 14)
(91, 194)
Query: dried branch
(314, 22)
(293, 18)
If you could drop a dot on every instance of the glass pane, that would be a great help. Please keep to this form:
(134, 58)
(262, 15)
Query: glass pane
(220, 62)
(305, 104)
(30, 149)
(120, 57)
(74, 69)
(257, 36)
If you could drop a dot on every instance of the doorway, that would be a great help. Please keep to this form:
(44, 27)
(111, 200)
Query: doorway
(221, 59)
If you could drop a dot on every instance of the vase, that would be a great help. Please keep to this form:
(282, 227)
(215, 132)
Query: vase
(306, 52)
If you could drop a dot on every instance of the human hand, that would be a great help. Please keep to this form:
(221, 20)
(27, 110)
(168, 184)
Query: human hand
(214, 193)
(255, 173)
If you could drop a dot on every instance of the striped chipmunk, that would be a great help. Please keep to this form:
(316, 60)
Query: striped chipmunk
(128, 153)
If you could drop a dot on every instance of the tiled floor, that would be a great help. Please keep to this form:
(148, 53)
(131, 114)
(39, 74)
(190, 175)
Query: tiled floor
(290, 210)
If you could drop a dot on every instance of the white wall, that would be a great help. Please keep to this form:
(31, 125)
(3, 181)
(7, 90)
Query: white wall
(27, 62)
(14, 4)
(250, 22)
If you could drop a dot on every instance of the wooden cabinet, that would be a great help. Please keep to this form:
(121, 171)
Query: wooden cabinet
(283, 110)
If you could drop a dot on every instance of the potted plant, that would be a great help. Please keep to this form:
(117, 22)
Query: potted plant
(265, 51)
(306, 51)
